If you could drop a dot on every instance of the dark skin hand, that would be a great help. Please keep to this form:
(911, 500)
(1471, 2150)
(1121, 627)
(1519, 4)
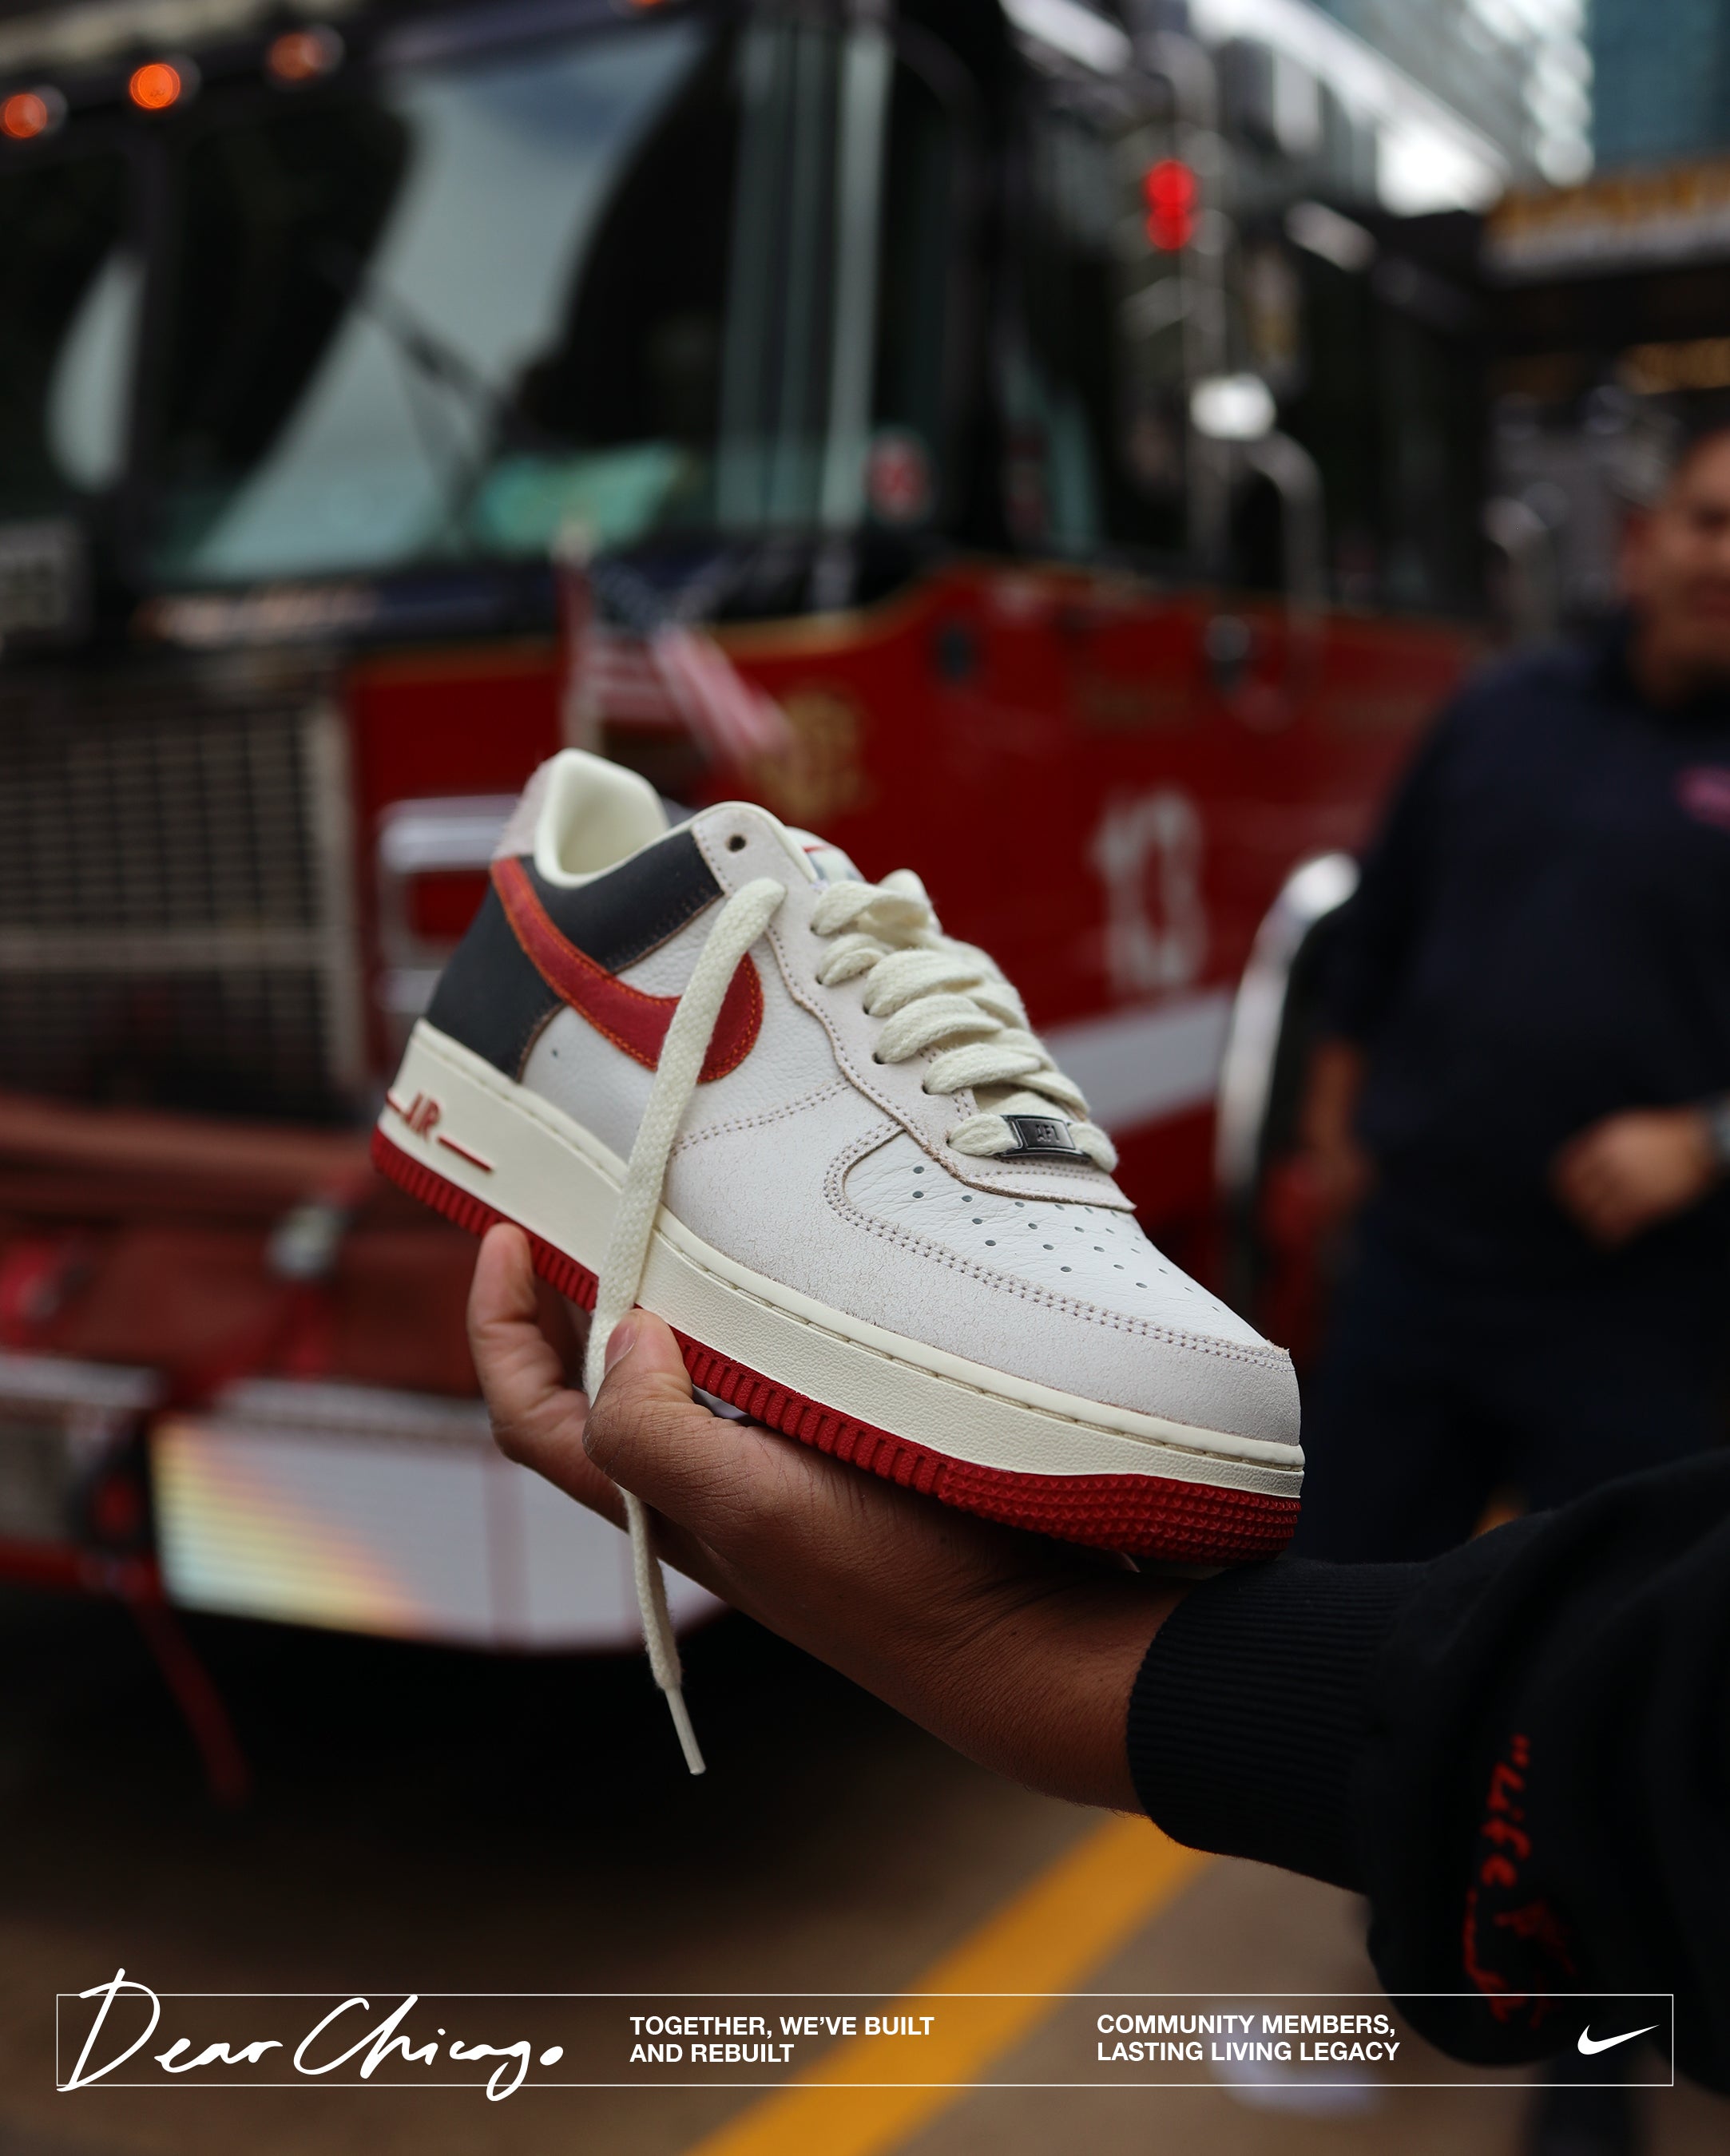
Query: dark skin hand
(1340, 1172)
(1014, 1651)
(1613, 1180)
(1631, 1171)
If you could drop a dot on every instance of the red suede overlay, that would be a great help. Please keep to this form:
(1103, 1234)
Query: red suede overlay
(1144, 1515)
(630, 1019)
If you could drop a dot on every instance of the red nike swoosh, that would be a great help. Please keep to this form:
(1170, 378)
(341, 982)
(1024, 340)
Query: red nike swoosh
(630, 1019)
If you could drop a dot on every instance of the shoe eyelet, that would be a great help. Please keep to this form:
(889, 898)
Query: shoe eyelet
(737, 844)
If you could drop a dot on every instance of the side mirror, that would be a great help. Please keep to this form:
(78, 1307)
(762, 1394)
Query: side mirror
(1262, 1074)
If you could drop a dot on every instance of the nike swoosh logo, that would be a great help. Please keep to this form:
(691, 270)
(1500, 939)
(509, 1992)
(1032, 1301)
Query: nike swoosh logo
(1592, 2046)
(630, 1019)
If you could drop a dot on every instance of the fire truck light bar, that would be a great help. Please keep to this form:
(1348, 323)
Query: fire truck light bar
(299, 57)
(28, 113)
(159, 86)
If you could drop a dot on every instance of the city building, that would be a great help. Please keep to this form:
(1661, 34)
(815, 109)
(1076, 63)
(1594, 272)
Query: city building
(1518, 71)
(1663, 79)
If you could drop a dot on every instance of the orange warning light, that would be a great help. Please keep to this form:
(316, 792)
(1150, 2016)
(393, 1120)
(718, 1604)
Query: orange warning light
(1170, 193)
(302, 56)
(28, 113)
(25, 115)
(155, 86)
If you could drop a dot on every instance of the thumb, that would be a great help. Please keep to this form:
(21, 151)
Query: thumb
(711, 1475)
(644, 1409)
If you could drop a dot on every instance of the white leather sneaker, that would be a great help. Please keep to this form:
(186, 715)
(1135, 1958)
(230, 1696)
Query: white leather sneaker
(712, 1070)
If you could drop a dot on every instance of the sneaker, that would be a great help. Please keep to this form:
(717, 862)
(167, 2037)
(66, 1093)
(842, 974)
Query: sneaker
(711, 1069)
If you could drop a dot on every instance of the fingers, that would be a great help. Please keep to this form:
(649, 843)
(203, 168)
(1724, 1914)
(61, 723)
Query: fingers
(1603, 1216)
(977, 1631)
(537, 1419)
(516, 1361)
(1021, 1656)
(1618, 1177)
(1586, 1186)
(780, 1525)
(1338, 1177)
(647, 1433)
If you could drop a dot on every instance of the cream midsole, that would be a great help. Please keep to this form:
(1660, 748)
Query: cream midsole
(516, 1152)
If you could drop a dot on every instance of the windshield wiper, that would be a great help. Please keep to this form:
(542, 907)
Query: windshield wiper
(430, 357)
(430, 354)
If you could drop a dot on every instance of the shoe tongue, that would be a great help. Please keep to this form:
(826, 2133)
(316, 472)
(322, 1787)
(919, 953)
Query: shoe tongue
(822, 862)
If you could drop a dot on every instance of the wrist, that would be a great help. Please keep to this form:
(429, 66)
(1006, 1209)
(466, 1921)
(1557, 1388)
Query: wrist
(1252, 1712)
(1042, 1693)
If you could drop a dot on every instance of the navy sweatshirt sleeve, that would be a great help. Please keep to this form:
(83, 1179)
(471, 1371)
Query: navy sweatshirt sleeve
(1520, 1753)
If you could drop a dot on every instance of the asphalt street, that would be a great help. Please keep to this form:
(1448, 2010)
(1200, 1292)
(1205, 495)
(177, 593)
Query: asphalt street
(443, 1822)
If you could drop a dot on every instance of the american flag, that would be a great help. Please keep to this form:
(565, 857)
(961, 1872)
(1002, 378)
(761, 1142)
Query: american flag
(659, 674)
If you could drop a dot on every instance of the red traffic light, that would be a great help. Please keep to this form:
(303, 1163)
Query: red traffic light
(1171, 194)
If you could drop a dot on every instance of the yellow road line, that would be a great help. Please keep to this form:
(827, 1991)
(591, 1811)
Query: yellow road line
(1045, 1940)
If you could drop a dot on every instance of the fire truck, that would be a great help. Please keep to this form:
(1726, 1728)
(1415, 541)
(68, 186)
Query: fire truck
(1030, 407)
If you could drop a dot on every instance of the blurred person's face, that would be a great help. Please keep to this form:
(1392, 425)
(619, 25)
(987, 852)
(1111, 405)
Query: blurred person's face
(1676, 571)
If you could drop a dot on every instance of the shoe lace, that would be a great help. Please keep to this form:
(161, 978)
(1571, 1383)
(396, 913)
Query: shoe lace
(738, 925)
(933, 992)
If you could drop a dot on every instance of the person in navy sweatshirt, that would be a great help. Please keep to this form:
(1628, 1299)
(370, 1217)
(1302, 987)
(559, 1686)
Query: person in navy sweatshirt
(1527, 1080)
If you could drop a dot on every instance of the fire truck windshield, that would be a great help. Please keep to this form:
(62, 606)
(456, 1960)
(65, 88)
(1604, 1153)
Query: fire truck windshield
(65, 333)
(728, 277)
(382, 346)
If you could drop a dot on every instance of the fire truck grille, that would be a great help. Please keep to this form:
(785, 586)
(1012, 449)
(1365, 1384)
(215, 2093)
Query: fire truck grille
(175, 925)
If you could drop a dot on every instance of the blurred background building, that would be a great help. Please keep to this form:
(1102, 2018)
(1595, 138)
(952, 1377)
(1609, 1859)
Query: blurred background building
(1518, 70)
(1460, 97)
(1663, 79)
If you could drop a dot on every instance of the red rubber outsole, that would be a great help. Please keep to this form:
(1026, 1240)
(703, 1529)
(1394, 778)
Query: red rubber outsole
(1141, 1515)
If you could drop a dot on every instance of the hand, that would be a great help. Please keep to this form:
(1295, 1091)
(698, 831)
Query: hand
(1626, 1174)
(1017, 1652)
(1337, 1179)
(1336, 1171)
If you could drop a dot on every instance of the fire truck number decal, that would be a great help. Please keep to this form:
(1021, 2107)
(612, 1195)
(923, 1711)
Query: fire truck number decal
(1147, 851)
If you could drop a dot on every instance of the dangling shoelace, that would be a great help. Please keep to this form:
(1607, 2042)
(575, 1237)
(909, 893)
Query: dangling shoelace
(930, 989)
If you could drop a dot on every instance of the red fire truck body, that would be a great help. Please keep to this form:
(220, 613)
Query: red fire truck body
(1104, 661)
(1084, 726)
